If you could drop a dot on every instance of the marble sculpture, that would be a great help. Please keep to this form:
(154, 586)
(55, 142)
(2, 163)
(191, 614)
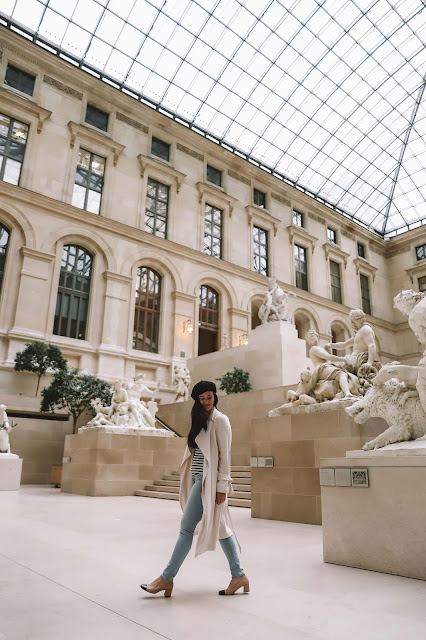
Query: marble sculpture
(5, 428)
(127, 410)
(274, 304)
(398, 392)
(336, 377)
(181, 382)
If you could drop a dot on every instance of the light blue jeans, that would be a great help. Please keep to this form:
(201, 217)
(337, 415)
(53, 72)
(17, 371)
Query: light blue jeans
(191, 517)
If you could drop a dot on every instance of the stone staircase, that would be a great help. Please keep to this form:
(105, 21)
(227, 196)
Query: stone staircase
(168, 487)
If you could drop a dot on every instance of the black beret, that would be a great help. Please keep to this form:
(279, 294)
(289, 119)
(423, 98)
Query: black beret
(202, 387)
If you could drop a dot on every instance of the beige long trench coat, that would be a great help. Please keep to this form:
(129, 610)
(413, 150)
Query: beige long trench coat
(215, 443)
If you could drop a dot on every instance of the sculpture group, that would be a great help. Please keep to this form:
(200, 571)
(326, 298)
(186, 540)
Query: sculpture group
(336, 377)
(273, 308)
(127, 409)
(398, 392)
(394, 391)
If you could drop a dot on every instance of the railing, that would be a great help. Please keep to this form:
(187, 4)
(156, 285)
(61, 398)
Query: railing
(166, 426)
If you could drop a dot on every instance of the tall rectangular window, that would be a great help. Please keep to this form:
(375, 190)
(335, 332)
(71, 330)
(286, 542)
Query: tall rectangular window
(20, 80)
(89, 181)
(160, 149)
(331, 235)
(298, 219)
(260, 251)
(259, 198)
(336, 285)
(13, 139)
(365, 293)
(157, 204)
(421, 252)
(97, 118)
(360, 249)
(301, 266)
(422, 284)
(213, 231)
(214, 176)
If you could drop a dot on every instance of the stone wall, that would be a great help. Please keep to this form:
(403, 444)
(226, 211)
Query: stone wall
(104, 464)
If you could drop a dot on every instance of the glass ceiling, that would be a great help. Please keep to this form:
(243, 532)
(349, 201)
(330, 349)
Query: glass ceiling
(325, 94)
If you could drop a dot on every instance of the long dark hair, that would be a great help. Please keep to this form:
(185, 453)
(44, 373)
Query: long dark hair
(199, 417)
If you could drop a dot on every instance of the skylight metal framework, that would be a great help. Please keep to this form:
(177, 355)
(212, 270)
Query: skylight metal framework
(325, 94)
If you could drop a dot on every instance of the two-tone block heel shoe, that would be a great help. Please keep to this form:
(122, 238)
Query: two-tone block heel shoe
(235, 584)
(159, 585)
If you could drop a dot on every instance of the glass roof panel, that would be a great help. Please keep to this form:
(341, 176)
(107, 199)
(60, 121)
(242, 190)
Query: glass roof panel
(329, 96)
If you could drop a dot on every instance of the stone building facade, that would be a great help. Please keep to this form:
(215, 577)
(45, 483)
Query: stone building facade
(118, 223)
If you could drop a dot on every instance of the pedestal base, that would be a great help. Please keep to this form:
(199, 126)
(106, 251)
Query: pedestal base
(10, 472)
(380, 527)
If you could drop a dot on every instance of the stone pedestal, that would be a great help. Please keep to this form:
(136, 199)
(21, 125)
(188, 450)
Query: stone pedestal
(380, 527)
(108, 464)
(290, 490)
(274, 357)
(10, 472)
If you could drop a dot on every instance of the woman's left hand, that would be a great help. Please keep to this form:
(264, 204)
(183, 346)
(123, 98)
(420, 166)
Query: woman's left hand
(220, 497)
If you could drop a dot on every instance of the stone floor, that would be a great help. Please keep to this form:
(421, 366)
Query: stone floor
(70, 568)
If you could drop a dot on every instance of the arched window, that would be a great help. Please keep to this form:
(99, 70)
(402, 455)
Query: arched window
(255, 320)
(338, 334)
(4, 241)
(147, 310)
(73, 293)
(208, 320)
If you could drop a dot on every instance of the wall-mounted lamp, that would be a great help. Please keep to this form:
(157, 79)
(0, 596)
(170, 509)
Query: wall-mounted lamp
(188, 327)
(243, 339)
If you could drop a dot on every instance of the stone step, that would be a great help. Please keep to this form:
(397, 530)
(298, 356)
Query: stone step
(233, 502)
(168, 483)
(170, 477)
(240, 469)
(157, 494)
(238, 480)
(157, 486)
(240, 474)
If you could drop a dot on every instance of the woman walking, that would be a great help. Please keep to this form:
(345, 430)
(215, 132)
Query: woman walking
(204, 486)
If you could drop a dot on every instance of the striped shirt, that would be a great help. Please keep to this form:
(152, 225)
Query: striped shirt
(197, 464)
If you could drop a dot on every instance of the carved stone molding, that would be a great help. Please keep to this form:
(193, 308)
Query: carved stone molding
(146, 163)
(27, 252)
(418, 270)
(217, 195)
(317, 218)
(347, 234)
(20, 107)
(300, 234)
(257, 214)
(331, 249)
(90, 137)
(189, 152)
(239, 177)
(132, 123)
(61, 86)
(361, 265)
(280, 199)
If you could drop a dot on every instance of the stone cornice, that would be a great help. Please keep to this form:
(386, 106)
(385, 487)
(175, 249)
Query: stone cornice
(27, 252)
(418, 269)
(147, 163)
(23, 106)
(217, 194)
(302, 235)
(361, 265)
(263, 216)
(89, 137)
(331, 249)
(110, 275)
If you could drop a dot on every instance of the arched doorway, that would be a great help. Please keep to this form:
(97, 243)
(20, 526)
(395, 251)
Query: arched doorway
(208, 320)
